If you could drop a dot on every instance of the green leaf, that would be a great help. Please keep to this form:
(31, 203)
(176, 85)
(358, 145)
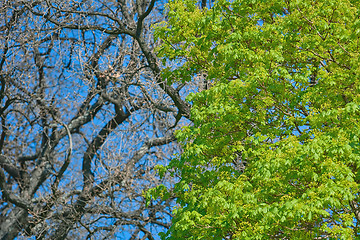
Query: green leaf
(273, 149)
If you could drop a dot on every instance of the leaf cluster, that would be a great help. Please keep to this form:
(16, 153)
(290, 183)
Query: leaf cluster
(274, 148)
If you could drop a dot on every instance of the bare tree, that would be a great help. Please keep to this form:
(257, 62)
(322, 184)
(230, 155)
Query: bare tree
(85, 117)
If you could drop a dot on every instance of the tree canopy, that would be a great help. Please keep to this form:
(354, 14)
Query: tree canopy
(273, 151)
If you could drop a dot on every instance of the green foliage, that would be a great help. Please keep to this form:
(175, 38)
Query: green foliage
(285, 101)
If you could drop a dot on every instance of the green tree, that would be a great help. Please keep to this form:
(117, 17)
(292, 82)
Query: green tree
(273, 152)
